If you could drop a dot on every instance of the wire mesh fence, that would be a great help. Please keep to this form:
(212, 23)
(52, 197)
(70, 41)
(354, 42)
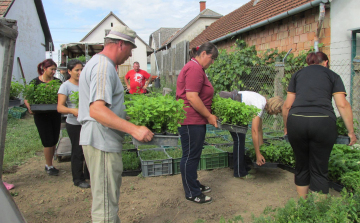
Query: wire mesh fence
(272, 80)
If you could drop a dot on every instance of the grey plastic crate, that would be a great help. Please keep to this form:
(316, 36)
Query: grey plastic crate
(151, 168)
(159, 140)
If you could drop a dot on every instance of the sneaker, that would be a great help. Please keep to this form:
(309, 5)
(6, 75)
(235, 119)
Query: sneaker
(83, 184)
(247, 177)
(204, 189)
(201, 199)
(52, 171)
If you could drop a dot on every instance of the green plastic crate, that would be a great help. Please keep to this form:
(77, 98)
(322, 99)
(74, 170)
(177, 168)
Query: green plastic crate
(17, 112)
(214, 160)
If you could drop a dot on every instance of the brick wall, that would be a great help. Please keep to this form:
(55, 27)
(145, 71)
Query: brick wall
(296, 32)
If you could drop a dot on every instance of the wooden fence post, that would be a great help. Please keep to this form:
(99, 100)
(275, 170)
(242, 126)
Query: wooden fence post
(8, 35)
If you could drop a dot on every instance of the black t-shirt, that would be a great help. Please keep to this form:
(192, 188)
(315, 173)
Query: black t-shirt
(314, 86)
(37, 80)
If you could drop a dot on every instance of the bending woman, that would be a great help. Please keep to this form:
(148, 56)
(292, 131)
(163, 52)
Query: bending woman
(310, 121)
(195, 89)
(47, 123)
(272, 107)
(67, 106)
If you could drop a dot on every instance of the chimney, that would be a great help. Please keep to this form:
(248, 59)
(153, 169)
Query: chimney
(202, 5)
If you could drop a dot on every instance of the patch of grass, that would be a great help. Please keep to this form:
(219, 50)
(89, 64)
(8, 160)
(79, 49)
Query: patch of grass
(22, 142)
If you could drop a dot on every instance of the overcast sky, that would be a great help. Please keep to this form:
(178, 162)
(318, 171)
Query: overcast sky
(71, 20)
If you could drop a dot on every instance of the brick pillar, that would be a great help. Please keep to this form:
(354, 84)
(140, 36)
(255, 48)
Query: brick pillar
(356, 89)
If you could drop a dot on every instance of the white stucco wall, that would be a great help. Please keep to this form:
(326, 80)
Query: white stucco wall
(344, 15)
(28, 43)
(138, 54)
(194, 30)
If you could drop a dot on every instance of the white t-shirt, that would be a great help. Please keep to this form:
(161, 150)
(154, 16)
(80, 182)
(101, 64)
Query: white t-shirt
(253, 98)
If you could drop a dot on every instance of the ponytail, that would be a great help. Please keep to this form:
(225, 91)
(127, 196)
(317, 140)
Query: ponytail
(208, 47)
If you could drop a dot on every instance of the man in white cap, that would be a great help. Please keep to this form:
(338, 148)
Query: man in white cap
(102, 116)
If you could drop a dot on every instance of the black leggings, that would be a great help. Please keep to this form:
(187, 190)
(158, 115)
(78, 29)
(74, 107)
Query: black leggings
(48, 126)
(312, 139)
(79, 169)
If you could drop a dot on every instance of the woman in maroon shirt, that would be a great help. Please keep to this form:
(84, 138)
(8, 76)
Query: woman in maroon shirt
(195, 89)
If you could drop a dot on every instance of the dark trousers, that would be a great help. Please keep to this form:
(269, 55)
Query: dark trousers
(192, 142)
(79, 169)
(240, 167)
(48, 126)
(312, 139)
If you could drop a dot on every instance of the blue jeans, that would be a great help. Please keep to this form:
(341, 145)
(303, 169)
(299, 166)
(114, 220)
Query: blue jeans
(240, 167)
(192, 142)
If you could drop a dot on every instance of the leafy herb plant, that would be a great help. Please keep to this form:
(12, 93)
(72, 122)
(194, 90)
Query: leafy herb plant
(174, 152)
(74, 98)
(153, 155)
(130, 161)
(233, 112)
(341, 128)
(15, 90)
(44, 93)
(217, 140)
(209, 150)
(158, 113)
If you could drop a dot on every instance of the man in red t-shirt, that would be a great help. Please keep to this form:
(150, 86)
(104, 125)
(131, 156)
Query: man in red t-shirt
(137, 78)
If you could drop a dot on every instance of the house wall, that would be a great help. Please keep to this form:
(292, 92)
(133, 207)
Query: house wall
(138, 54)
(344, 16)
(296, 32)
(29, 42)
(194, 30)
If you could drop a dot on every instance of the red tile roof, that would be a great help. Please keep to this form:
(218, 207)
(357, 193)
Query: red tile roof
(245, 16)
(4, 5)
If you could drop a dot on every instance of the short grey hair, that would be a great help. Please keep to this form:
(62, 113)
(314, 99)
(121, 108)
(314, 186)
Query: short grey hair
(109, 40)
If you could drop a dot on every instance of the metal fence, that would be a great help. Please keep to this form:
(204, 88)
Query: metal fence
(272, 81)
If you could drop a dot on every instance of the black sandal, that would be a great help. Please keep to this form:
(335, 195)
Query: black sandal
(201, 199)
(204, 189)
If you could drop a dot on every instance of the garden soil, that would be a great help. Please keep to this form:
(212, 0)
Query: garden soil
(43, 198)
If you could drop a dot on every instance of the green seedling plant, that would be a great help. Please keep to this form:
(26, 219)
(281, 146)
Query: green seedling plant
(209, 150)
(217, 140)
(74, 98)
(341, 128)
(158, 113)
(329, 209)
(210, 134)
(233, 112)
(127, 146)
(174, 152)
(226, 148)
(15, 90)
(130, 161)
(153, 155)
(44, 93)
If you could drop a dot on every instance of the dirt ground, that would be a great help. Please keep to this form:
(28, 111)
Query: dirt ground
(43, 198)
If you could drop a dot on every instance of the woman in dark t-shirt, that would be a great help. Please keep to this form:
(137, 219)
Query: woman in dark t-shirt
(195, 89)
(47, 123)
(310, 121)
